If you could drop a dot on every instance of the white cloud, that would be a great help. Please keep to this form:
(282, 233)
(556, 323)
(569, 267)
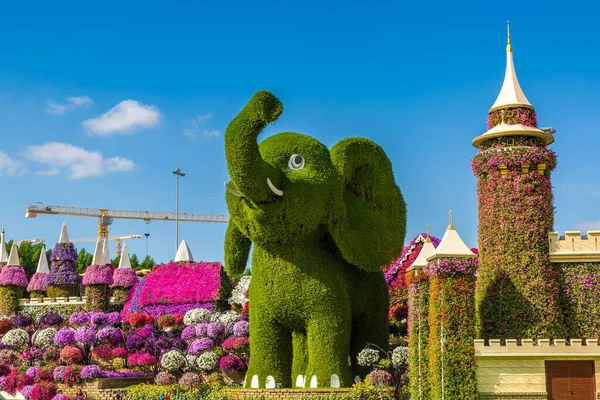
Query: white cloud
(125, 117)
(79, 162)
(11, 167)
(193, 128)
(52, 107)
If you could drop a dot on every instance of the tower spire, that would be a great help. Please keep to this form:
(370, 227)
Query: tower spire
(508, 45)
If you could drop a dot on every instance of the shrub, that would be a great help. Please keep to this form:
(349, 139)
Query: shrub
(16, 337)
(103, 352)
(71, 355)
(65, 336)
(91, 371)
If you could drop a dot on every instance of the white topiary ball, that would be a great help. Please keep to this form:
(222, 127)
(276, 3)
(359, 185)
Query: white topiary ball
(367, 357)
(44, 338)
(16, 337)
(196, 316)
(172, 360)
(400, 356)
(208, 361)
(227, 317)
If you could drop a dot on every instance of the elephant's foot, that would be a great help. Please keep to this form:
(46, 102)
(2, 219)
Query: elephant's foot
(313, 382)
(254, 382)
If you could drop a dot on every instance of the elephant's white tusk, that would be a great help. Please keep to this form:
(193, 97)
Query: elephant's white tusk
(274, 189)
(232, 191)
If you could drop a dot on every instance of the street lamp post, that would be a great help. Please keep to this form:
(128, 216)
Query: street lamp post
(177, 173)
(147, 235)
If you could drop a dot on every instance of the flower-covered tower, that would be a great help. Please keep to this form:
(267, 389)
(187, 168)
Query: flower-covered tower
(451, 270)
(13, 282)
(97, 279)
(124, 277)
(517, 290)
(38, 285)
(63, 279)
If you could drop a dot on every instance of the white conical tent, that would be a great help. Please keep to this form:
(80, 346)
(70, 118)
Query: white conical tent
(43, 262)
(13, 258)
(106, 251)
(426, 251)
(64, 235)
(451, 245)
(98, 254)
(183, 253)
(124, 262)
(3, 252)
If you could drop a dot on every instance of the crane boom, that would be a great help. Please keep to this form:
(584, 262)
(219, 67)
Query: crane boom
(105, 216)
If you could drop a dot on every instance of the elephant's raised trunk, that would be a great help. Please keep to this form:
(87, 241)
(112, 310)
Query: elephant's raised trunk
(248, 171)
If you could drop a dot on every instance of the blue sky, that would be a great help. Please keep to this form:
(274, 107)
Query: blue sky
(132, 90)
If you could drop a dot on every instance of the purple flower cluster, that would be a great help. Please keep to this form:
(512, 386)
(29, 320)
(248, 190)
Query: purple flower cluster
(79, 318)
(125, 277)
(199, 345)
(201, 329)
(98, 319)
(38, 282)
(230, 362)
(189, 332)
(63, 251)
(452, 267)
(63, 264)
(113, 318)
(13, 275)
(65, 336)
(109, 335)
(214, 329)
(241, 328)
(91, 371)
(391, 273)
(59, 373)
(85, 335)
(98, 275)
(21, 320)
(32, 371)
(51, 319)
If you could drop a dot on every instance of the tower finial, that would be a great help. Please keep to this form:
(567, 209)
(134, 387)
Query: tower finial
(428, 238)
(450, 224)
(508, 44)
(427, 229)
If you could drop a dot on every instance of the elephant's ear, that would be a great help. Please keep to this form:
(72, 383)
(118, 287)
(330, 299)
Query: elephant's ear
(369, 220)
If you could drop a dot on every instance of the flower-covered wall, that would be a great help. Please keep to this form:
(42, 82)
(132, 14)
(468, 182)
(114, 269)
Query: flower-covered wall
(418, 333)
(517, 286)
(580, 289)
(452, 362)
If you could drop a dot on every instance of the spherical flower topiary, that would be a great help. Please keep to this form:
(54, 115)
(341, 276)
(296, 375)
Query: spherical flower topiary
(400, 356)
(379, 378)
(226, 317)
(32, 371)
(38, 282)
(59, 373)
(135, 341)
(166, 321)
(44, 338)
(109, 334)
(16, 337)
(64, 336)
(98, 319)
(172, 360)
(230, 362)
(98, 275)
(189, 332)
(71, 355)
(103, 352)
(113, 318)
(85, 335)
(5, 326)
(190, 380)
(238, 344)
(51, 319)
(201, 329)
(124, 277)
(199, 345)
(21, 321)
(215, 329)
(196, 316)
(79, 318)
(164, 379)
(13, 275)
(139, 320)
(208, 361)
(241, 328)
(91, 371)
(367, 357)
(141, 359)
(119, 352)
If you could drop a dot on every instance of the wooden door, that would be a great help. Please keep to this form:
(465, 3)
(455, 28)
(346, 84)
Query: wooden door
(570, 380)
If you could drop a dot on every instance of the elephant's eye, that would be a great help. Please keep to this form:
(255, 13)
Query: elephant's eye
(296, 162)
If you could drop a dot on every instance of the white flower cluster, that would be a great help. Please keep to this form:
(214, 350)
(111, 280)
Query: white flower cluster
(226, 317)
(44, 338)
(208, 361)
(238, 294)
(192, 362)
(172, 360)
(16, 337)
(196, 316)
(400, 356)
(367, 357)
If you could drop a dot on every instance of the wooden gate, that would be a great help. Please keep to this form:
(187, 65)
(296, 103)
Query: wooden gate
(570, 380)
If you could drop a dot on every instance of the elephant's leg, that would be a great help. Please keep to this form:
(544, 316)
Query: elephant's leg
(300, 360)
(370, 326)
(328, 340)
(271, 354)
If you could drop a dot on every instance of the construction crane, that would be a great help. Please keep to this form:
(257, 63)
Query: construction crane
(117, 239)
(34, 240)
(106, 216)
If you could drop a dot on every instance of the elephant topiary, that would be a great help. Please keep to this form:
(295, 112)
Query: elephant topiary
(322, 224)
